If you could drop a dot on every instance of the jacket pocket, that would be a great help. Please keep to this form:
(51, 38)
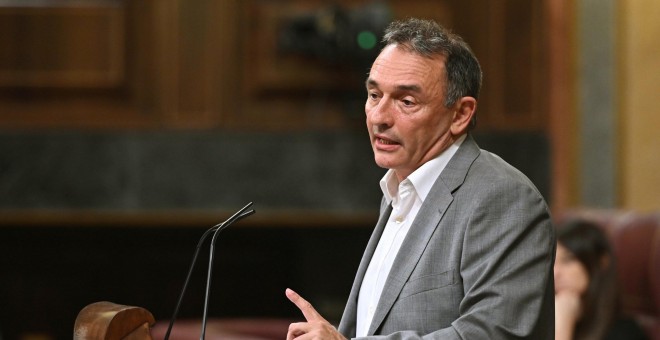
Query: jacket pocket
(428, 282)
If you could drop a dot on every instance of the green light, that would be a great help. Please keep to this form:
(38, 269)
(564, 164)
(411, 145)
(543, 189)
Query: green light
(366, 40)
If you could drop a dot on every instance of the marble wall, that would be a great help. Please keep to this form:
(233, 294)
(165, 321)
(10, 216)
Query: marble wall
(135, 171)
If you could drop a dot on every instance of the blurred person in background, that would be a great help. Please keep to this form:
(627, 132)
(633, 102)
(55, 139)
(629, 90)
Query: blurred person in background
(587, 299)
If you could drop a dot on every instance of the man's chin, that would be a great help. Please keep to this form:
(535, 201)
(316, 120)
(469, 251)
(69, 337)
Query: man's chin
(384, 162)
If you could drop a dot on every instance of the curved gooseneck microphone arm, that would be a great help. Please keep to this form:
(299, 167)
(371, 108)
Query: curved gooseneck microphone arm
(210, 269)
(238, 215)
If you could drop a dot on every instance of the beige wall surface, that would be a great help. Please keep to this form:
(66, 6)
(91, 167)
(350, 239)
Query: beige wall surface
(639, 114)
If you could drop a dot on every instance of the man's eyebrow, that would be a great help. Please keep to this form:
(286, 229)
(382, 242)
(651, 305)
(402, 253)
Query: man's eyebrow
(409, 88)
(402, 88)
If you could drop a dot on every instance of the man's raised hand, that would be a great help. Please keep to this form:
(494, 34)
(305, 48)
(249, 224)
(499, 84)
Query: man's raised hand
(316, 326)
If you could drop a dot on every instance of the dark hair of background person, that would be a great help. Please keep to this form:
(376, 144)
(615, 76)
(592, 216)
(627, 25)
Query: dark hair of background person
(601, 303)
(428, 39)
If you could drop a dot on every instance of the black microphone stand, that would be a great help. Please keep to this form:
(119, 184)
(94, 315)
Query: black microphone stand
(236, 216)
(210, 269)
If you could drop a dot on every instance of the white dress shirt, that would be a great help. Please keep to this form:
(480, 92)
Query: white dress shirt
(406, 198)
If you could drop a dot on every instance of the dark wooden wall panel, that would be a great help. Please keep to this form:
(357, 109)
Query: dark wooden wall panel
(62, 47)
(211, 64)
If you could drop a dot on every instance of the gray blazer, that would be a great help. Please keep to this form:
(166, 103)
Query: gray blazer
(477, 262)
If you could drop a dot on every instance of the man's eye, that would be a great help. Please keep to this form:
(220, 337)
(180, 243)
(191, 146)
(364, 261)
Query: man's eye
(407, 102)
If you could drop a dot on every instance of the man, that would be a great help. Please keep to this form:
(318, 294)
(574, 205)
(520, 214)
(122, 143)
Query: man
(464, 247)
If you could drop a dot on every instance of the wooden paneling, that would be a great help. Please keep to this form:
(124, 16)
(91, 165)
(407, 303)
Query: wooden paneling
(289, 89)
(509, 40)
(560, 101)
(116, 64)
(65, 64)
(209, 64)
(285, 89)
(61, 46)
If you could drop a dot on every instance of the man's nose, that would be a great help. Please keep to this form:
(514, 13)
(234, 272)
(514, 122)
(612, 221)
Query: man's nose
(380, 114)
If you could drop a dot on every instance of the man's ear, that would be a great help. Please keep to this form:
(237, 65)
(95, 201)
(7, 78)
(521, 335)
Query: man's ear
(464, 109)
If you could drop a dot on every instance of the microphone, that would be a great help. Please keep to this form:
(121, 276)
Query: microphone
(210, 269)
(220, 226)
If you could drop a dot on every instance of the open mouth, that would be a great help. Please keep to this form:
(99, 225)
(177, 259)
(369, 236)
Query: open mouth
(386, 141)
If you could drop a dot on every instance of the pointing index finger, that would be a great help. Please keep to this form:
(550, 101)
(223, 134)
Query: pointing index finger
(305, 307)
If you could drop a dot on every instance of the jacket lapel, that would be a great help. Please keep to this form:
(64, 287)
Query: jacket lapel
(422, 228)
(349, 318)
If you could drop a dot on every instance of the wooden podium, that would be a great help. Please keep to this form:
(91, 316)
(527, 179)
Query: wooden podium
(110, 321)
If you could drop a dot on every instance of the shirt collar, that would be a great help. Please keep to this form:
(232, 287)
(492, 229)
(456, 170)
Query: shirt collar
(423, 178)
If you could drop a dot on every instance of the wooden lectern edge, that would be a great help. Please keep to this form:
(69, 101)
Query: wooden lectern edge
(110, 321)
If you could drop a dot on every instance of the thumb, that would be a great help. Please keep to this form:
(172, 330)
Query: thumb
(305, 307)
